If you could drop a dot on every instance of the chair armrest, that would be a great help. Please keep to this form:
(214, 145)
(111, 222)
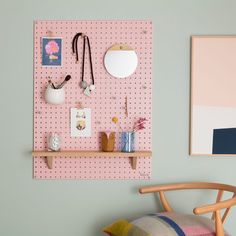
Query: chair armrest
(214, 207)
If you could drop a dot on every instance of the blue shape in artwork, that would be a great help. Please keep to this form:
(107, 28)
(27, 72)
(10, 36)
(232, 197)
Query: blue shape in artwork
(51, 51)
(224, 141)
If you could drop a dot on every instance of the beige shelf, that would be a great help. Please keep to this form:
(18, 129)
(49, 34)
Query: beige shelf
(67, 153)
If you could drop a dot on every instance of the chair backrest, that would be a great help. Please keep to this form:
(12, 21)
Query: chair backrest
(214, 208)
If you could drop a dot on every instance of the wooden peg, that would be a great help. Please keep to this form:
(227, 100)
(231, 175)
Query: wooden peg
(80, 105)
(126, 106)
(134, 162)
(49, 33)
(49, 162)
(38, 112)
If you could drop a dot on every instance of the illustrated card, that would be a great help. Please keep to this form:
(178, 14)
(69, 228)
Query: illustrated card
(80, 122)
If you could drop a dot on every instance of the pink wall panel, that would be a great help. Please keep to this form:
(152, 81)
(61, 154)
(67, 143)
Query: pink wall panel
(106, 101)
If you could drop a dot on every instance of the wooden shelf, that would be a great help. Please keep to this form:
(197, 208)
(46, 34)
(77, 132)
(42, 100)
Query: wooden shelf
(67, 153)
(92, 153)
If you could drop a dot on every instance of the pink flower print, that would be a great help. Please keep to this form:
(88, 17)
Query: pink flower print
(52, 47)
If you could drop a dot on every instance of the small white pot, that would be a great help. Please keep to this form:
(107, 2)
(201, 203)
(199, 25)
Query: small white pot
(55, 96)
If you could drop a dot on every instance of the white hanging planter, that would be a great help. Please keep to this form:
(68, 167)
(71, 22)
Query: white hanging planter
(55, 96)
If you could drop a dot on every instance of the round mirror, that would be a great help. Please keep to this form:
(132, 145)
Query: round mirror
(120, 61)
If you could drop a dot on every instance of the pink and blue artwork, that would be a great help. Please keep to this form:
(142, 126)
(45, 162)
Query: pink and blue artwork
(51, 51)
(213, 96)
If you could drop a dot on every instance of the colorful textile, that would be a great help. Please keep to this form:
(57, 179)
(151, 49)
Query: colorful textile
(124, 228)
(163, 224)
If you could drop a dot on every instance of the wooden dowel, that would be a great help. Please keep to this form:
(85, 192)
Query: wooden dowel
(227, 211)
(134, 162)
(49, 162)
(218, 224)
(219, 197)
(126, 106)
(225, 214)
(164, 202)
(213, 207)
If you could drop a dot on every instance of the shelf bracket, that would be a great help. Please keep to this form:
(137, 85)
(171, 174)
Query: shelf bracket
(49, 161)
(134, 162)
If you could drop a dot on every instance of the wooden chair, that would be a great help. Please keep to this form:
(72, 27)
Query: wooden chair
(214, 208)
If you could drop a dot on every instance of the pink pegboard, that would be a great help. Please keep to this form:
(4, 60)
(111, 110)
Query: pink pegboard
(107, 101)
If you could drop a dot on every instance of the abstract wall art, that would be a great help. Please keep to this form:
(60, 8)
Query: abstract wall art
(213, 95)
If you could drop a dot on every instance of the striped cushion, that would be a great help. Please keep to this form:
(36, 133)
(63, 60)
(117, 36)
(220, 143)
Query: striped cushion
(163, 224)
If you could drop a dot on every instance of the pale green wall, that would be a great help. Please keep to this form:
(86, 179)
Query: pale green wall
(80, 208)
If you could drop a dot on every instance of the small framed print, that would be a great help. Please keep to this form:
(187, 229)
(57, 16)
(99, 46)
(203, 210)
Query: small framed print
(51, 51)
(80, 122)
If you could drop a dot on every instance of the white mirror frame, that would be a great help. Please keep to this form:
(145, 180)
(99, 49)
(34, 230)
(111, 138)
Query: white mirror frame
(120, 61)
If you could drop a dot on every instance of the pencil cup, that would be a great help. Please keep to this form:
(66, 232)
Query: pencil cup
(55, 96)
(108, 141)
(127, 141)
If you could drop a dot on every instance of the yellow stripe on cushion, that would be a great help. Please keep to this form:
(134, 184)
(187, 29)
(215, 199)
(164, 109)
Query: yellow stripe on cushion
(118, 228)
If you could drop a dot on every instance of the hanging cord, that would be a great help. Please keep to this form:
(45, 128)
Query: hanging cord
(83, 60)
(74, 45)
(90, 59)
(75, 50)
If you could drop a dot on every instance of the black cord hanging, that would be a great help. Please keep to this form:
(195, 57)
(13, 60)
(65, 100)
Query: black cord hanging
(83, 84)
(74, 45)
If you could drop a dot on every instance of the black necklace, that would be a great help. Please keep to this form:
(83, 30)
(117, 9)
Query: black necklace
(83, 84)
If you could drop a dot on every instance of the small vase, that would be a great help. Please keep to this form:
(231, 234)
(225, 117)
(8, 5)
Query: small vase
(108, 141)
(54, 141)
(128, 141)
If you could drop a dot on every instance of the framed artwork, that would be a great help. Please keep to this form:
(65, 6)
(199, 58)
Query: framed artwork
(80, 122)
(51, 51)
(213, 95)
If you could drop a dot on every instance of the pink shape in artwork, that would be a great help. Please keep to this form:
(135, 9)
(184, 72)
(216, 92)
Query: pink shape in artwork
(214, 71)
(52, 47)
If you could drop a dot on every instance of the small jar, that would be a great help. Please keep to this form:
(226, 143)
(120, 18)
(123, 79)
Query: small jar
(128, 141)
(55, 96)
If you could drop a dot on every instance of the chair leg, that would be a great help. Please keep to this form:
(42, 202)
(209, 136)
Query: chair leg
(218, 224)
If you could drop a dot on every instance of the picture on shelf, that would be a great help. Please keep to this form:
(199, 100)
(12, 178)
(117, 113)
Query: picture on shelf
(80, 122)
(51, 51)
